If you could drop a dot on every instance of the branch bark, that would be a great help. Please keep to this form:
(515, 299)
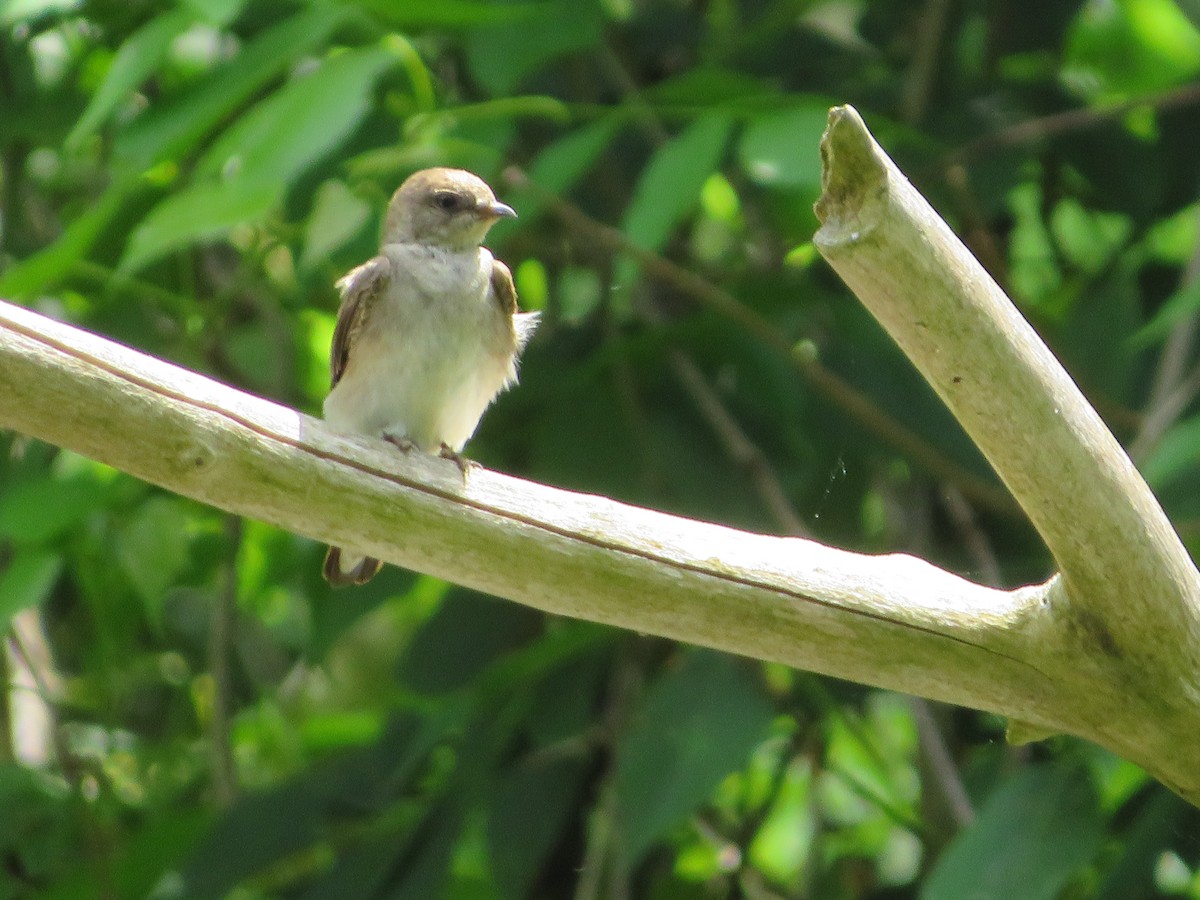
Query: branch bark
(1125, 615)
(1109, 652)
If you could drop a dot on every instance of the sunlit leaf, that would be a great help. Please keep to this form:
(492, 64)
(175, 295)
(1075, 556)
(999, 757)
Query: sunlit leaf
(1134, 46)
(139, 55)
(26, 581)
(337, 216)
(780, 148)
(670, 185)
(172, 129)
(300, 122)
(14, 11)
(205, 211)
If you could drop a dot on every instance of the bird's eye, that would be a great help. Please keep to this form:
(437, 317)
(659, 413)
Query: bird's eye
(446, 200)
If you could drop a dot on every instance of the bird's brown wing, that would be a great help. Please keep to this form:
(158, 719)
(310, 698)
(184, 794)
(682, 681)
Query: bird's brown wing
(360, 286)
(504, 289)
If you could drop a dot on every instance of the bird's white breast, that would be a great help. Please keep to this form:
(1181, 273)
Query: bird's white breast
(434, 352)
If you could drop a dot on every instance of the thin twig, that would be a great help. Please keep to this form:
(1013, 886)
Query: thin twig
(851, 400)
(1071, 120)
(1172, 390)
(746, 455)
(8, 745)
(918, 85)
(939, 764)
(625, 384)
(224, 776)
(602, 872)
(983, 555)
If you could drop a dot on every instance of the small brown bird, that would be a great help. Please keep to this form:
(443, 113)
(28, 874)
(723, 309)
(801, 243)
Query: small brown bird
(428, 331)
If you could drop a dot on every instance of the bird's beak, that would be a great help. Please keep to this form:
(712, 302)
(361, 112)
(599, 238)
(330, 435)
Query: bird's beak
(497, 210)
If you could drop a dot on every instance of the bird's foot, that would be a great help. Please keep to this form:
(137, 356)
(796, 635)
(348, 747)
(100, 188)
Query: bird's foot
(464, 465)
(405, 445)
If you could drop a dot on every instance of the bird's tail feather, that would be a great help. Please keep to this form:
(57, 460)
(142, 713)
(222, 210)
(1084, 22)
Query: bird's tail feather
(340, 571)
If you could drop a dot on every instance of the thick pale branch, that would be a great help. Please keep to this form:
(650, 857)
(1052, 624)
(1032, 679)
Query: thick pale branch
(1127, 612)
(893, 621)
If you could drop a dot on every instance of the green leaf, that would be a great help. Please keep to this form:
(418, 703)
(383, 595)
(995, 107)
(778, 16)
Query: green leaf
(198, 213)
(502, 56)
(565, 161)
(1183, 303)
(337, 216)
(1176, 452)
(467, 633)
(45, 268)
(1141, 848)
(301, 122)
(669, 187)
(154, 548)
(26, 582)
(42, 509)
(1134, 47)
(139, 55)
(424, 872)
(176, 125)
(697, 723)
(405, 14)
(559, 166)
(36, 833)
(781, 149)
(712, 86)
(217, 13)
(14, 11)
(156, 847)
(254, 162)
(1031, 836)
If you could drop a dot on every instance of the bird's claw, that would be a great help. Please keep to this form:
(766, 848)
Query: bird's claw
(405, 445)
(464, 465)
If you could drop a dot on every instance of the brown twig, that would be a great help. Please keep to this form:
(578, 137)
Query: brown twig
(1173, 388)
(939, 765)
(1057, 124)
(918, 85)
(746, 455)
(220, 634)
(850, 399)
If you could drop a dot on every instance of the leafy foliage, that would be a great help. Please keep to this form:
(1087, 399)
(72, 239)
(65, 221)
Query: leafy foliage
(190, 713)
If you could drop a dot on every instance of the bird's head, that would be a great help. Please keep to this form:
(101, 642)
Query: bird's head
(448, 208)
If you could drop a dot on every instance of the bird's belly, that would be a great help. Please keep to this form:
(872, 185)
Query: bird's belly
(431, 385)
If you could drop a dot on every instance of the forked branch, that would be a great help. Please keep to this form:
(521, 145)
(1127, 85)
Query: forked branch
(1085, 655)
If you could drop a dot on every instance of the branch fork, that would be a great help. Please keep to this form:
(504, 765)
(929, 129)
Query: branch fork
(1109, 650)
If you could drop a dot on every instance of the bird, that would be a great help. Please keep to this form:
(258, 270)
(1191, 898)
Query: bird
(428, 331)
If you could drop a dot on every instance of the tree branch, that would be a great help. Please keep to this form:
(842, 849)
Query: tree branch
(1109, 652)
(1127, 610)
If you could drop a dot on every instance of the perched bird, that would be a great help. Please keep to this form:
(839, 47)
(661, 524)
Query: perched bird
(428, 331)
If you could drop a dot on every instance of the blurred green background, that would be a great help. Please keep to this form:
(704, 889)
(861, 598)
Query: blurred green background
(190, 713)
